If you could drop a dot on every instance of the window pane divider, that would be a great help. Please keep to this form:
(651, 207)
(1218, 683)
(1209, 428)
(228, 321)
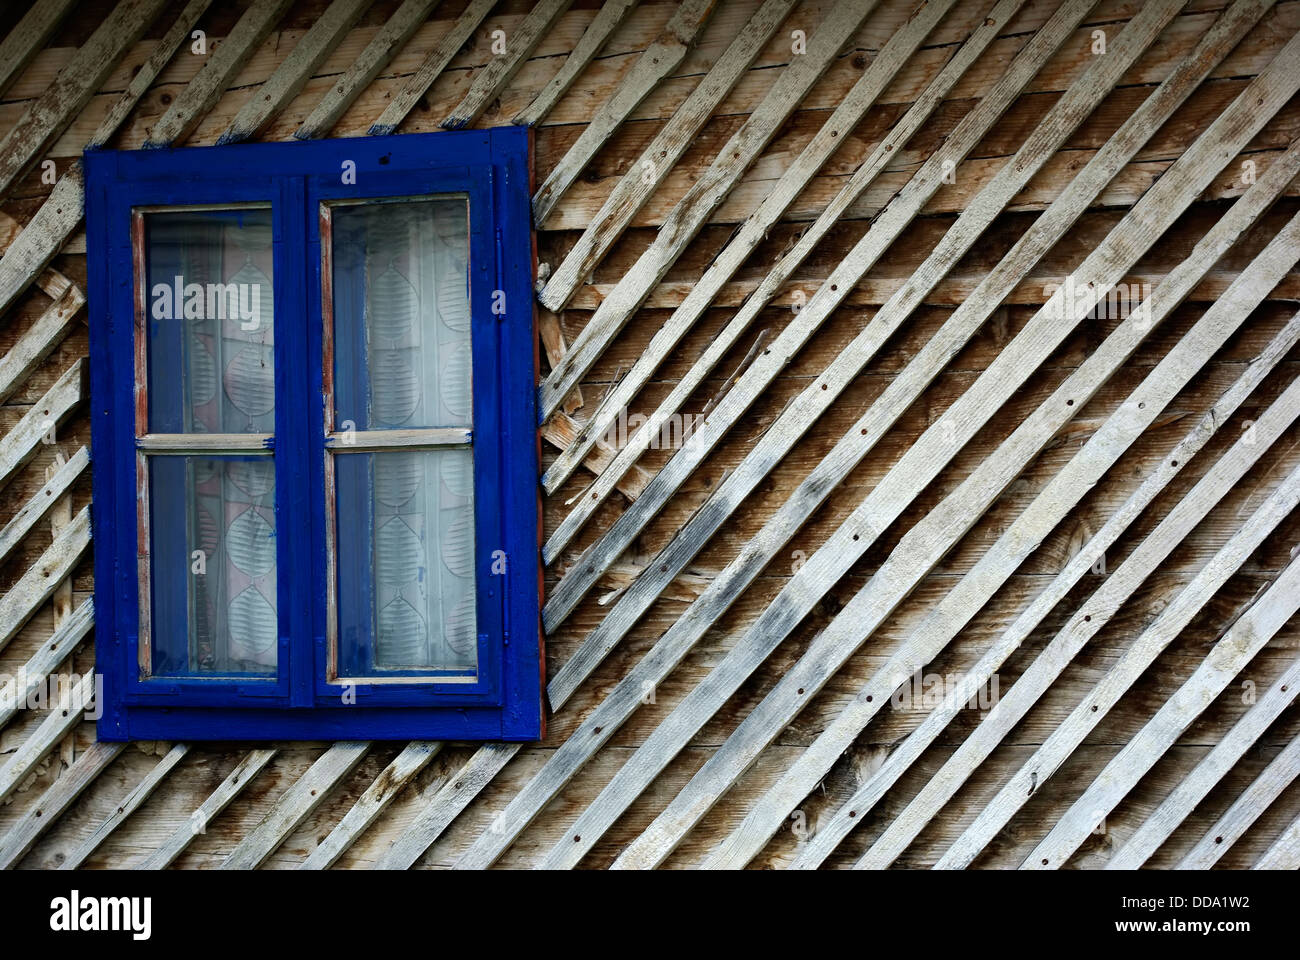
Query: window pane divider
(360, 441)
(200, 444)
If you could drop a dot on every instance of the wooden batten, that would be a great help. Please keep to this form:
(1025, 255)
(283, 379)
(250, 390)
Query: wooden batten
(878, 344)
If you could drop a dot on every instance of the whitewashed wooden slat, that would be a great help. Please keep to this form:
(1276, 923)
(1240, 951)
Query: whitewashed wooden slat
(41, 239)
(1226, 659)
(446, 805)
(1245, 810)
(560, 431)
(49, 115)
(961, 511)
(833, 828)
(1284, 854)
(28, 37)
(294, 70)
(405, 99)
(800, 413)
(379, 52)
(658, 158)
(656, 62)
(130, 803)
(63, 715)
(616, 706)
(930, 539)
(1047, 759)
(500, 70)
(24, 598)
(223, 64)
(413, 758)
(608, 19)
(794, 178)
(296, 805)
(709, 190)
(171, 41)
(20, 443)
(55, 800)
(38, 341)
(197, 822)
(1182, 800)
(34, 509)
(34, 673)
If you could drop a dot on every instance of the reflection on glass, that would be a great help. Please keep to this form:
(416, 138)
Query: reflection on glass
(210, 320)
(212, 564)
(405, 552)
(401, 314)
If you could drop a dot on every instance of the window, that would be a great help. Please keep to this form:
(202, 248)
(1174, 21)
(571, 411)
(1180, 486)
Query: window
(313, 372)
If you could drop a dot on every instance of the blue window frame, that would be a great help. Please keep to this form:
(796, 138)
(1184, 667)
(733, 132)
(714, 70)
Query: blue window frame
(313, 372)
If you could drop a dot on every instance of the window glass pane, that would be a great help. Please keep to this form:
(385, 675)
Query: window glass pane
(210, 320)
(212, 565)
(401, 315)
(405, 554)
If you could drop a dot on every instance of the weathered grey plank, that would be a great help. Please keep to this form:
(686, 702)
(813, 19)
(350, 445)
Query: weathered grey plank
(295, 805)
(31, 512)
(62, 717)
(404, 100)
(198, 821)
(171, 41)
(446, 805)
(130, 803)
(201, 94)
(41, 239)
(1102, 451)
(25, 597)
(294, 70)
(413, 758)
(648, 171)
(708, 190)
(832, 829)
(50, 114)
(921, 547)
(55, 800)
(798, 416)
(38, 341)
(1285, 852)
(32, 674)
(611, 14)
(657, 62)
(28, 37)
(1048, 758)
(1175, 808)
(1245, 810)
(628, 695)
(492, 79)
(1229, 656)
(385, 44)
(901, 45)
(20, 443)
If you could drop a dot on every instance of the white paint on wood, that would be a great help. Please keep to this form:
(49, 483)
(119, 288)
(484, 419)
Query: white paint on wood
(492, 79)
(14, 695)
(36, 508)
(29, 36)
(381, 49)
(129, 804)
(41, 239)
(611, 14)
(405, 99)
(197, 822)
(294, 70)
(38, 584)
(657, 159)
(413, 758)
(657, 62)
(707, 192)
(296, 805)
(222, 66)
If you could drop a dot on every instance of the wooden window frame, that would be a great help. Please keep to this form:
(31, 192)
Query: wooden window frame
(302, 182)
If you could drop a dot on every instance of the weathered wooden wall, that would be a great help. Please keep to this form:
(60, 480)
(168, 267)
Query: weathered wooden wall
(955, 542)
